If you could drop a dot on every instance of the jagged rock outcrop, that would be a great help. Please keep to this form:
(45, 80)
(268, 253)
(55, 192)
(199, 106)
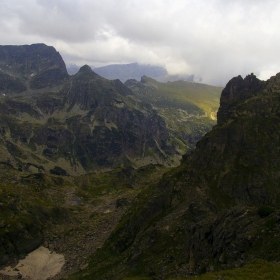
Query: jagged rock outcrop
(241, 152)
(237, 90)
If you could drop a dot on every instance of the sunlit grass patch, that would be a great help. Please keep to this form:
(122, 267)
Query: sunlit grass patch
(255, 270)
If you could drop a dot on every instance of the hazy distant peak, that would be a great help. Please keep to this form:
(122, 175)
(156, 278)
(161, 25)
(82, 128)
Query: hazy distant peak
(124, 72)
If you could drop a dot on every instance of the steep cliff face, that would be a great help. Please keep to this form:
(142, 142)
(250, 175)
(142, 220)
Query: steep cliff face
(242, 150)
(220, 208)
(30, 66)
(236, 91)
(29, 59)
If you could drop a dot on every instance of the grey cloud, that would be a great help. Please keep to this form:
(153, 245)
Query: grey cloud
(213, 39)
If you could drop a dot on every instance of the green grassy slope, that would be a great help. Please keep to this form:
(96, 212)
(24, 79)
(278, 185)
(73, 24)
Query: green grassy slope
(189, 109)
(180, 93)
(256, 270)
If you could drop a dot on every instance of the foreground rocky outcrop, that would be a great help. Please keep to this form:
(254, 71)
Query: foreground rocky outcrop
(220, 208)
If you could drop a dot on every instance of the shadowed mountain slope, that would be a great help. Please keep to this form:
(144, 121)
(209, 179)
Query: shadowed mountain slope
(219, 209)
(86, 124)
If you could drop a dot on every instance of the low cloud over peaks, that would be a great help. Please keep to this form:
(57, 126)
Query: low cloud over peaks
(215, 39)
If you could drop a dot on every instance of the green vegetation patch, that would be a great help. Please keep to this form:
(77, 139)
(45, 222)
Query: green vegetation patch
(138, 278)
(265, 210)
(255, 270)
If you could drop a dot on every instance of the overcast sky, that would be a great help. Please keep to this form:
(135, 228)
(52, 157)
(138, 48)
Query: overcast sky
(212, 39)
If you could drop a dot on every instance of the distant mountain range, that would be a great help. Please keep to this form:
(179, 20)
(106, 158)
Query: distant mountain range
(124, 72)
(53, 122)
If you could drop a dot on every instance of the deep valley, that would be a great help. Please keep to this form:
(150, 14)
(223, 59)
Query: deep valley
(141, 179)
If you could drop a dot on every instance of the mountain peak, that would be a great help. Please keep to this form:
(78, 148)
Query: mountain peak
(87, 72)
(236, 90)
(85, 69)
